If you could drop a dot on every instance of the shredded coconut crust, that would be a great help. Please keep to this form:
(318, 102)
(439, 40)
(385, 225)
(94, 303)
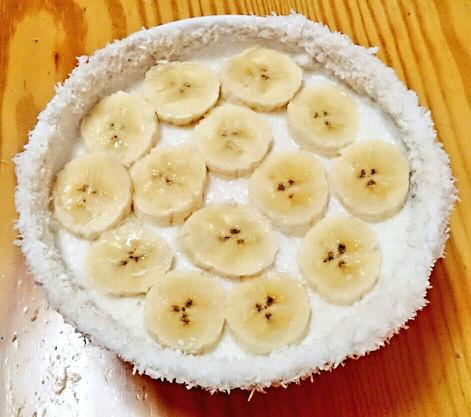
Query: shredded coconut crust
(123, 62)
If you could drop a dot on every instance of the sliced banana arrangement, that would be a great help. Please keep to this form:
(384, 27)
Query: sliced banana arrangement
(290, 188)
(91, 194)
(125, 170)
(263, 79)
(268, 312)
(168, 184)
(233, 140)
(340, 258)
(323, 119)
(185, 310)
(128, 260)
(371, 179)
(232, 240)
(181, 92)
(123, 125)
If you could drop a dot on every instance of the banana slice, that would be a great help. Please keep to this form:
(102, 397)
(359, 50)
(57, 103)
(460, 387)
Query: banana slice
(232, 240)
(185, 310)
(181, 92)
(340, 257)
(371, 179)
(291, 189)
(91, 194)
(261, 78)
(323, 119)
(123, 125)
(128, 260)
(268, 312)
(168, 184)
(233, 140)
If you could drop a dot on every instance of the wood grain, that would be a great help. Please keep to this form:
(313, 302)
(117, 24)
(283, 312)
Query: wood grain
(425, 371)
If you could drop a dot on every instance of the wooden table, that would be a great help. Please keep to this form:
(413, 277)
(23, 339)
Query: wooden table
(48, 369)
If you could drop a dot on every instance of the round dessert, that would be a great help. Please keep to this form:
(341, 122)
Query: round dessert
(287, 217)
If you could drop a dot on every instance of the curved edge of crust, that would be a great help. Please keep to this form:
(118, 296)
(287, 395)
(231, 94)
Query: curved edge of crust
(36, 165)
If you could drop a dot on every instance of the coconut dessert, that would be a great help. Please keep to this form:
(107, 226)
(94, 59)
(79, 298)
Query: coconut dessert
(234, 201)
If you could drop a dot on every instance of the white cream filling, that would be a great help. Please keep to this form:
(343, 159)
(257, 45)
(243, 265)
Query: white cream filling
(328, 321)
